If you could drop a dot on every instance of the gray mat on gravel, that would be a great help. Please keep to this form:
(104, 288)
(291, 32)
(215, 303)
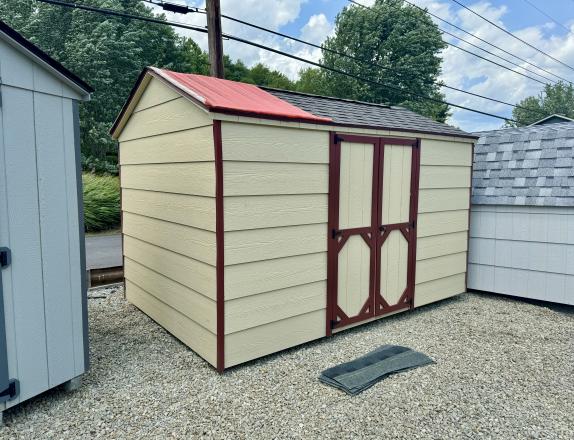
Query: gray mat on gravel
(356, 376)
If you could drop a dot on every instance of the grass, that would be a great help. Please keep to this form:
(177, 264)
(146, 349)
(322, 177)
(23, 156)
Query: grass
(101, 202)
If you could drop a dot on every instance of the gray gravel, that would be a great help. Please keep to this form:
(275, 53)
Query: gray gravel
(504, 369)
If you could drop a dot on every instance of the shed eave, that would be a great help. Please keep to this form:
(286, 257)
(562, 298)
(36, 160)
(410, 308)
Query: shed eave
(338, 125)
(17, 41)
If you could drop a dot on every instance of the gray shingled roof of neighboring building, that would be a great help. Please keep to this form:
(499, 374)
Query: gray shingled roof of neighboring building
(365, 114)
(531, 166)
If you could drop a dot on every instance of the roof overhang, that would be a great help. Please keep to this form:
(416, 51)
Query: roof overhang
(151, 72)
(43, 59)
(563, 118)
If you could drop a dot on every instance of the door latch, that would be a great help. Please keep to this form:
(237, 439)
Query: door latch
(5, 257)
(11, 392)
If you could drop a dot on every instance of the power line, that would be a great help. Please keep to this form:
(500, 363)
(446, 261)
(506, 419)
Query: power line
(499, 57)
(511, 34)
(485, 41)
(547, 16)
(187, 9)
(370, 63)
(116, 13)
(467, 51)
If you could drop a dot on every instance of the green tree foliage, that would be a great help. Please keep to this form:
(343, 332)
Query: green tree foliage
(101, 202)
(555, 99)
(110, 53)
(400, 38)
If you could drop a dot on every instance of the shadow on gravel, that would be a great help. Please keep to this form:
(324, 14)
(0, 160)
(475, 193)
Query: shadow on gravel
(560, 308)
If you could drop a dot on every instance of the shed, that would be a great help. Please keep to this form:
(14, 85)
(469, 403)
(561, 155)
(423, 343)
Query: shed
(43, 323)
(258, 219)
(522, 227)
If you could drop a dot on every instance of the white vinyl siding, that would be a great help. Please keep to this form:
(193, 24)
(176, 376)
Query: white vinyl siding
(39, 222)
(524, 251)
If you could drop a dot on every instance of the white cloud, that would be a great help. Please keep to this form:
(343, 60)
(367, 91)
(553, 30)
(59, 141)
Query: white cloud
(316, 29)
(459, 69)
(470, 73)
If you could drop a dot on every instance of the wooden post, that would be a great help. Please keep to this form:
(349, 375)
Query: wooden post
(215, 40)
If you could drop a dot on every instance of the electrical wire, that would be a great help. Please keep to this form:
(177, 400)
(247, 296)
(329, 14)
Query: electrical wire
(547, 16)
(441, 84)
(498, 56)
(370, 63)
(483, 40)
(116, 13)
(467, 51)
(511, 34)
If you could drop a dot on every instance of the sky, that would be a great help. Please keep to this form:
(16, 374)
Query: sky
(313, 20)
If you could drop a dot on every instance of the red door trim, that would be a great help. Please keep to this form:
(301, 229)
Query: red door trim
(373, 236)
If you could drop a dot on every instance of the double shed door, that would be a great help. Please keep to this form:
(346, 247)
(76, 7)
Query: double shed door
(373, 199)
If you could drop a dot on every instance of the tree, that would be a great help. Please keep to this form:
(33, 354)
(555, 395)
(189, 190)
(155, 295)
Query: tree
(400, 38)
(108, 52)
(312, 80)
(555, 99)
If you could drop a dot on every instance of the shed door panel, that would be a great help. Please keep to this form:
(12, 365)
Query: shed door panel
(355, 209)
(353, 251)
(356, 185)
(396, 192)
(397, 227)
(373, 196)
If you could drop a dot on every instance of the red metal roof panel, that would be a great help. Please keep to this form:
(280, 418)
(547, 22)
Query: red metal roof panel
(223, 95)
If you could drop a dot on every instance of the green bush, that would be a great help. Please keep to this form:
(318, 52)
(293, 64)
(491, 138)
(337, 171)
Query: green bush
(101, 202)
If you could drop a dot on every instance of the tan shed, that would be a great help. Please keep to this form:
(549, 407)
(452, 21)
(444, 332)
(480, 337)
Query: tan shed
(257, 219)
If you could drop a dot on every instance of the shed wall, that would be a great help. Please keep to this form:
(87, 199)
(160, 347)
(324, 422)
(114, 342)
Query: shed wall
(275, 205)
(39, 221)
(525, 251)
(442, 229)
(168, 215)
(275, 220)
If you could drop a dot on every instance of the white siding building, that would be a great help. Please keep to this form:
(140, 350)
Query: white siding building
(43, 325)
(522, 221)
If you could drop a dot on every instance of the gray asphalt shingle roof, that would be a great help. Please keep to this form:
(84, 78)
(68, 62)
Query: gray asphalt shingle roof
(525, 166)
(357, 113)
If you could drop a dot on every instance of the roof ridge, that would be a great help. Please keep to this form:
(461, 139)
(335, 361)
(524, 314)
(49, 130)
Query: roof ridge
(553, 126)
(333, 98)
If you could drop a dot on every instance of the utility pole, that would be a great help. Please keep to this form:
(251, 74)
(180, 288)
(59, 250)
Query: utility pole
(215, 41)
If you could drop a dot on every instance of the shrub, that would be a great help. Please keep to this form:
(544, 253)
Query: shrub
(101, 202)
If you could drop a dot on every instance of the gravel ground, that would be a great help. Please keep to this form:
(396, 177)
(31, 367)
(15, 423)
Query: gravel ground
(504, 369)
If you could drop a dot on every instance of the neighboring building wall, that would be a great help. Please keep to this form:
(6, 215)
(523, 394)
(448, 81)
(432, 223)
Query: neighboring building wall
(275, 220)
(442, 230)
(39, 221)
(168, 200)
(525, 251)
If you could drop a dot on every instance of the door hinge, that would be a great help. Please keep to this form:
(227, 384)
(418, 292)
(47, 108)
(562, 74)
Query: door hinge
(11, 392)
(337, 139)
(413, 224)
(334, 323)
(5, 257)
(335, 233)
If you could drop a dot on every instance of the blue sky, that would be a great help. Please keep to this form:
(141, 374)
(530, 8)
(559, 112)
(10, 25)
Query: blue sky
(314, 19)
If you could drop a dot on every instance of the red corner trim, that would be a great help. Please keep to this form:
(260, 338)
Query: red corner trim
(220, 262)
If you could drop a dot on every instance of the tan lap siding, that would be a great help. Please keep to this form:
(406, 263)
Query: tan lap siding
(168, 212)
(275, 220)
(442, 226)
